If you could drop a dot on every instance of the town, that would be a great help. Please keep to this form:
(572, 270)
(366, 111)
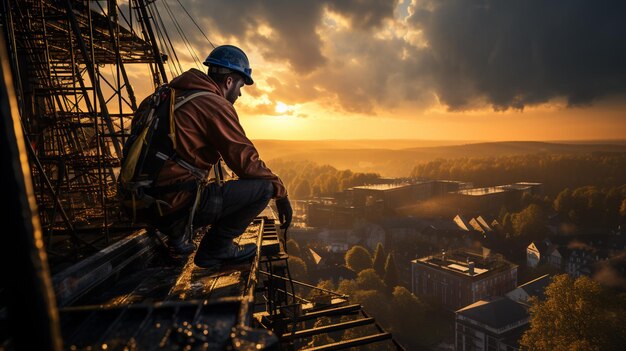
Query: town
(454, 244)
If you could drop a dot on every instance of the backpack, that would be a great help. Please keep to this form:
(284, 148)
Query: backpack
(152, 141)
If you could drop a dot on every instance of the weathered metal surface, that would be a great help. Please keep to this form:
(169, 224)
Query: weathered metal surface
(166, 304)
(77, 280)
(197, 325)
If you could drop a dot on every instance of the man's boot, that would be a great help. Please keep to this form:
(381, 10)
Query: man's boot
(181, 238)
(180, 246)
(229, 254)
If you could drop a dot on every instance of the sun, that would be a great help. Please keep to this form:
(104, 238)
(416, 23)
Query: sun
(282, 108)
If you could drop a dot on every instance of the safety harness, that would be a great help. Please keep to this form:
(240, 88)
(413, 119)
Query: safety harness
(151, 143)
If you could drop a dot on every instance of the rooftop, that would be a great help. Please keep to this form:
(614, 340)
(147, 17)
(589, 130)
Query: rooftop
(497, 313)
(528, 183)
(460, 267)
(484, 191)
(464, 263)
(537, 286)
(497, 189)
(383, 187)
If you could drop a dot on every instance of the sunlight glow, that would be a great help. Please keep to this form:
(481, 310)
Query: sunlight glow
(283, 108)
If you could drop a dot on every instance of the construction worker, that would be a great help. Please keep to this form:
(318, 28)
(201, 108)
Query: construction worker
(207, 129)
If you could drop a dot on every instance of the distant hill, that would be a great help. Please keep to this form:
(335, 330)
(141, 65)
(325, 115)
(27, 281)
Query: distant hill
(394, 158)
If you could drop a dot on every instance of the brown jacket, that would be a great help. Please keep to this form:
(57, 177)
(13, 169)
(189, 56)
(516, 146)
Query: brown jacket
(208, 127)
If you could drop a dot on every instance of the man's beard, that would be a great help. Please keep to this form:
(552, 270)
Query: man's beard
(232, 96)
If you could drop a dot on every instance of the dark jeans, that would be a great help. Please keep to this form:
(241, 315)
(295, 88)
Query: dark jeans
(229, 210)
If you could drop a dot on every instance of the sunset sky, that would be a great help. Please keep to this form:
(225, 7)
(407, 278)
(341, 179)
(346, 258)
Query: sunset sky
(420, 69)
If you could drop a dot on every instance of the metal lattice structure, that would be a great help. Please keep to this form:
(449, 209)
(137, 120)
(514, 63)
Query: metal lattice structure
(70, 61)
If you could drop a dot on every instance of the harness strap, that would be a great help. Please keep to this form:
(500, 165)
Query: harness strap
(172, 108)
(199, 173)
(183, 99)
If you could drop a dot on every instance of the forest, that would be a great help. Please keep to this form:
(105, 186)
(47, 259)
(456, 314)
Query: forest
(586, 190)
(556, 172)
(304, 179)
(399, 158)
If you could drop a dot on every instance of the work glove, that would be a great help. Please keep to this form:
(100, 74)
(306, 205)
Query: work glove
(284, 212)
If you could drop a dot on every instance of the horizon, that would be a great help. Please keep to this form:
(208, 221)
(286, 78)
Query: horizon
(451, 140)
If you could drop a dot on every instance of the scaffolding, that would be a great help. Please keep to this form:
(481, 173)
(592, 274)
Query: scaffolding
(70, 62)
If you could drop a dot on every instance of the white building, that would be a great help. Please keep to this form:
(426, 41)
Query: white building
(495, 325)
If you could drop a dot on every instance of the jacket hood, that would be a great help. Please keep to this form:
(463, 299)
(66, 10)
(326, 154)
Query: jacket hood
(195, 79)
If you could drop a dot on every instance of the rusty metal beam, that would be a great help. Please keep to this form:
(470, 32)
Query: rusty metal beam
(352, 342)
(328, 328)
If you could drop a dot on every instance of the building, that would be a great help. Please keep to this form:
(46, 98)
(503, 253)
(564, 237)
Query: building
(460, 277)
(391, 195)
(331, 215)
(402, 193)
(583, 259)
(491, 199)
(556, 256)
(537, 252)
(534, 288)
(495, 325)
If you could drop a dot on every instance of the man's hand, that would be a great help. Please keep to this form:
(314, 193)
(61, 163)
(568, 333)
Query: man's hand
(284, 212)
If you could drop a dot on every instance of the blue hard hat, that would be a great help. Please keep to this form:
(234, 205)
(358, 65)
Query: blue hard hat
(233, 58)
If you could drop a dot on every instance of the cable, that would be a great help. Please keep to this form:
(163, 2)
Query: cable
(159, 34)
(181, 32)
(194, 22)
(166, 42)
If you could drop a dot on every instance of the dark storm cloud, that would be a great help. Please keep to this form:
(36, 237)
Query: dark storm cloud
(524, 52)
(295, 39)
(503, 53)
(364, 14)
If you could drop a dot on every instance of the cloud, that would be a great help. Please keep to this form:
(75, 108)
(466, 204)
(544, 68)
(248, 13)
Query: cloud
(376, 56)
(524, 52)
(364, 14)
(293, 40)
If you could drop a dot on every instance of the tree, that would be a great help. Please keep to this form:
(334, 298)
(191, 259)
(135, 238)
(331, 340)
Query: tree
(503, 212)
(374, 303)
(577, 314)
(391, 272)
(358, 258)
(323, 338)
(332, 185)
(322, 284)
(297, 268)
(368, 279)
(507, 223)
(347, 286)
(414, 317)
(302, 189)
(379, 260)
(530, 223)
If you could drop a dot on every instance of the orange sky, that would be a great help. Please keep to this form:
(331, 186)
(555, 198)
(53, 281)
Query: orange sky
(394, 70)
